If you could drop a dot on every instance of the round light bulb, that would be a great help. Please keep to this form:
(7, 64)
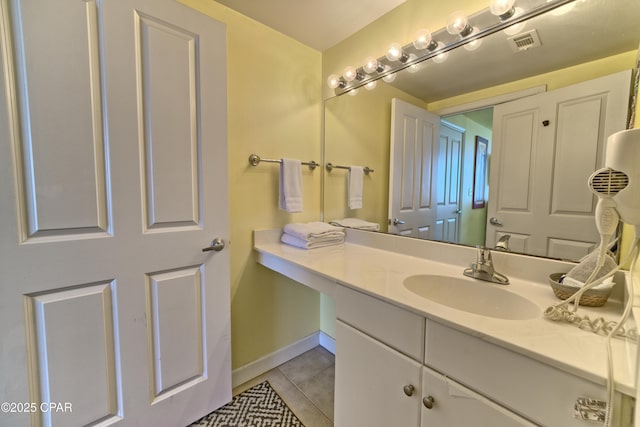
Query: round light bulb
(458, 23)
(333, 81)
(502, 8)
(422, 39)
(371, 85)
(353, 92)
(473, 45)
(389, 77)
(349, 73)
(371, 65)
(440, 58)
(394, 53)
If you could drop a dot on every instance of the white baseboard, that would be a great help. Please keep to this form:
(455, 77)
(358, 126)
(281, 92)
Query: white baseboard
(327, 342)
(280, 356)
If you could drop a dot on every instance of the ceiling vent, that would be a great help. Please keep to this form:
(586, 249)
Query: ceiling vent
(524, 41)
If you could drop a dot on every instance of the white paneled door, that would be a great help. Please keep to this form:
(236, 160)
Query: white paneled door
(113, 178)
(449, 172)
(413, 162)
(559, 138)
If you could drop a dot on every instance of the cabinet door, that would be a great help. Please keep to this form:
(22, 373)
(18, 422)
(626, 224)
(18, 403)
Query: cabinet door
(449, 404)
(370, 383)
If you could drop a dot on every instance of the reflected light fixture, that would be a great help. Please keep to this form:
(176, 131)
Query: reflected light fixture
(389, 77)
(371, 85)
(413, 68)
(440, 58)
(515, 29)
(395, 53)
(473, 45)
(458, 23)
(503, 9)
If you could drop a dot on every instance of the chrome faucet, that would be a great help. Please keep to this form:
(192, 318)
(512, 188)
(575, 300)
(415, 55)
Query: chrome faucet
(483, 269)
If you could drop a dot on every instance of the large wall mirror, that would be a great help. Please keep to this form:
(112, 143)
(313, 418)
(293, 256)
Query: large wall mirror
(509, 168)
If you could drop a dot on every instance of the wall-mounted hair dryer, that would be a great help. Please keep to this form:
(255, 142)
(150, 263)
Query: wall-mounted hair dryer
(617, 187)
(623, 155)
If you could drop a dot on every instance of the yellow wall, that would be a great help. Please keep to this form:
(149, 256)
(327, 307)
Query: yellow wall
(275, 110)
(357, 132)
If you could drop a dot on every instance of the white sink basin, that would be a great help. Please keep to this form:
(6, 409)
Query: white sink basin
(472, 296)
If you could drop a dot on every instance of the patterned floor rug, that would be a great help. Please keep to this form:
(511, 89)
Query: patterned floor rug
(259, 406)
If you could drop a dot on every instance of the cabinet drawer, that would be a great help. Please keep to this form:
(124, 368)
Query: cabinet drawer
(394, 326)
(539, 392)
(453, 404)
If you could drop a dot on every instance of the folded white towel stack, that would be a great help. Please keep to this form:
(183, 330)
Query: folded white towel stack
(358, 223)
(312, 235)
(356, 177)
(290, 185)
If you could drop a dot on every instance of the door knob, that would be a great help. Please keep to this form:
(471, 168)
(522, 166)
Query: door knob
(217, 245)
(397, 221)
(457, 211)
(428, 402)
(495, 221)
(408, 390)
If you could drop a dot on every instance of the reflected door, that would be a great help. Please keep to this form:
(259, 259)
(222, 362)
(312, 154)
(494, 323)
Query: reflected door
(448, 184)
(545, 147)
(415, 135)
(113, 178)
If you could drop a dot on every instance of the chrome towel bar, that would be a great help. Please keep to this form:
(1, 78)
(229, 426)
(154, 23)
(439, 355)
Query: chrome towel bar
(331, 166)
(254, 160)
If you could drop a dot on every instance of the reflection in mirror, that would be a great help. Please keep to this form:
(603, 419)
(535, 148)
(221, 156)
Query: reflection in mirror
(359, 131)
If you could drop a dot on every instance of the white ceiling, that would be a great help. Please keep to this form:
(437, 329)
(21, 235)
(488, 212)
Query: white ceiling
(319, 24)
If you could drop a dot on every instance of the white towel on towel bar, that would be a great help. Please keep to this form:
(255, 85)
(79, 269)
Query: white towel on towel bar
(290, 185)
(314, 231)
(356, 177)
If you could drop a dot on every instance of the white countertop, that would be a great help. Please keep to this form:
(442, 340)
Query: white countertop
(380, 273)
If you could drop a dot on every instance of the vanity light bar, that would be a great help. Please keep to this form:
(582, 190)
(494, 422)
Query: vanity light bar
(484, 23)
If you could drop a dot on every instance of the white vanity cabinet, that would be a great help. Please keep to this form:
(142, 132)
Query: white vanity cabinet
(396, 368)
(375, 385)
(379, 351)
(381, 380)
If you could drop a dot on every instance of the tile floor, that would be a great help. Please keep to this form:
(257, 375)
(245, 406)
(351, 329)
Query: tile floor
(305, 383)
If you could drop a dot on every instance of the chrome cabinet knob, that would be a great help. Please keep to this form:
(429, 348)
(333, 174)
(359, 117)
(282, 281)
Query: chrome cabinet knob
(408, 390)
(428, 402)
(217, 245)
